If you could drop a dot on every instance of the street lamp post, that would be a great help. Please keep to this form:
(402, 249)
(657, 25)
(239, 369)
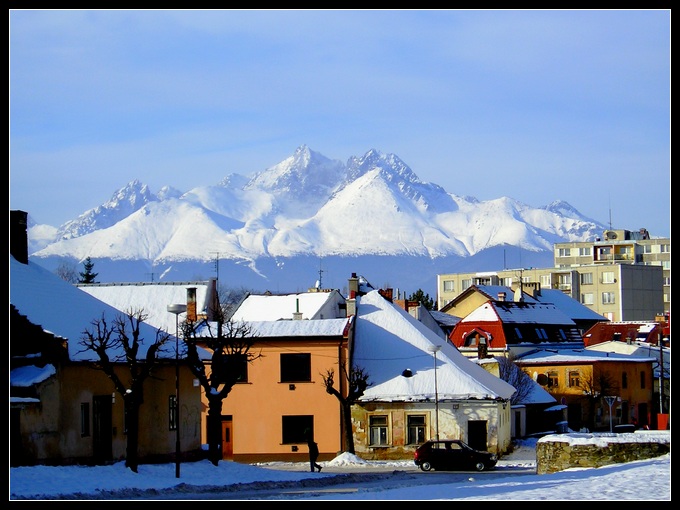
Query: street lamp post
(434, 349)
(610, 401)
(177, 309)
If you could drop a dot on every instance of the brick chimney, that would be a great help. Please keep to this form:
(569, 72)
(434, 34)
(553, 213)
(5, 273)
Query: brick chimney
(351, 302)
(18, 235)
(501, 296)
(353, 286)
(192, 315)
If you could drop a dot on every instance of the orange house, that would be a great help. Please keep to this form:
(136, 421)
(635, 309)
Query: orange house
(267, 416)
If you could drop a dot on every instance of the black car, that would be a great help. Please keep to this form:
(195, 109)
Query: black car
(452, 455)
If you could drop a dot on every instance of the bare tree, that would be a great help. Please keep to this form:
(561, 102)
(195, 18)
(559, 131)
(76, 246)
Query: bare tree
(230, 298)
(118, 344)
(229, 345)
(596, 384)
(511, 373)
(358, 381)
(67, 272)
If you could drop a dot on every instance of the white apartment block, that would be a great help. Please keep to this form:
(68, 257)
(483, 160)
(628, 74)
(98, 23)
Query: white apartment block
(625, 276)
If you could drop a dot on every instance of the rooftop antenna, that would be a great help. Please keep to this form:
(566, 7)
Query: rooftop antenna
(217, 265)
(318, 282)
(610, 212)
(151, 274)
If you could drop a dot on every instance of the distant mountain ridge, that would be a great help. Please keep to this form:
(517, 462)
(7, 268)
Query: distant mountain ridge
(305, 206)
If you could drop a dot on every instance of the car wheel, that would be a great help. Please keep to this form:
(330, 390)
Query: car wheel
(426, 466)
(479, 466)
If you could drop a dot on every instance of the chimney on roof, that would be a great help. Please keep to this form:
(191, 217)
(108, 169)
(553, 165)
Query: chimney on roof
(18, 236)
(214, 308)
(353, 285)
(519, 295)
(297, 315)
(501, 296)
(192, 316)
(386, 293)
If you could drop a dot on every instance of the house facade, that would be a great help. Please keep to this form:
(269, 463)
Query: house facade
(421, 387)
(582, 380)
(661, 397)
(267, 415)
(62, 410)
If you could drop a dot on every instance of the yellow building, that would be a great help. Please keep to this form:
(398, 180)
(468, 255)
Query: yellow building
(581, 380)
(624, 277)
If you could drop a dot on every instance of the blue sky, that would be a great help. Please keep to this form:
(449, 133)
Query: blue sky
(534, 105)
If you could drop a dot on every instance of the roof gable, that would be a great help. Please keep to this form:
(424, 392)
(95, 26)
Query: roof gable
(388, 341)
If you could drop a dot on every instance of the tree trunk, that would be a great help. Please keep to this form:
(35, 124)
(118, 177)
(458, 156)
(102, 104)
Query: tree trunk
(346, 412)
(132, 422)
(214, 425)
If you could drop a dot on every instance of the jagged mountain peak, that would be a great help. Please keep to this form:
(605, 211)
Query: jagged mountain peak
(391, 166)
(305, 172)
(125, 201)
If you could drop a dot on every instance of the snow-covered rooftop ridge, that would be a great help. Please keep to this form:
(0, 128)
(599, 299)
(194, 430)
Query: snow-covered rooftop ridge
(388, 341)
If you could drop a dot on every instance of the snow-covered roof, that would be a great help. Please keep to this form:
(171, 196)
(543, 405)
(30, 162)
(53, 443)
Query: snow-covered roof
(445, 319)
(299, 328)
(153, 298)
(388, 341)
(63, 309)
(312, 305)
(568, 305)
(642, 349)
(542, 356)
(510, 312)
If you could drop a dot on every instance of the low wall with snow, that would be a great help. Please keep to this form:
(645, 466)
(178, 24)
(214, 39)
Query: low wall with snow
(558, 452)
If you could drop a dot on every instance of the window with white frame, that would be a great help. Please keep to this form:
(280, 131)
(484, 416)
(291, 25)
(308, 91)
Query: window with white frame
(449, 285)
(585, 251)
(665, 248)
(546, 280)
(646, 248)
(608, 298)
(466, 283)
(608, 277)
(587, 298)
(563, 252)
(378, 430)
(586, 278)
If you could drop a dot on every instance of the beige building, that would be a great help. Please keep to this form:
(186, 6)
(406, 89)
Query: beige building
(624, 276)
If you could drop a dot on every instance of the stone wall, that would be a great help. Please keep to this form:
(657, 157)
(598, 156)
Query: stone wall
(558, 452)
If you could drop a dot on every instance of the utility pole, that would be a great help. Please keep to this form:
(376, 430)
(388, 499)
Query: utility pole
(661, 369)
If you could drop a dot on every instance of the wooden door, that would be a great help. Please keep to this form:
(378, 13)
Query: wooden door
(227, 443)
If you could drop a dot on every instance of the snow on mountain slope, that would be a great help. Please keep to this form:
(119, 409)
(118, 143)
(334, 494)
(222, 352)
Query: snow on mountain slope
(310, 205)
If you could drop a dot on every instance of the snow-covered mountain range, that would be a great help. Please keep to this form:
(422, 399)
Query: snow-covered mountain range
(307, 215)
